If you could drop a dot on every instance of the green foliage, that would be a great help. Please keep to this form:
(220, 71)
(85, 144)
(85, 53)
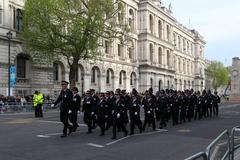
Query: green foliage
(218, 73)
(72, 28)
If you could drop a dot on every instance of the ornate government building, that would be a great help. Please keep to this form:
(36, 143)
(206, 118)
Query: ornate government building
(162, 54)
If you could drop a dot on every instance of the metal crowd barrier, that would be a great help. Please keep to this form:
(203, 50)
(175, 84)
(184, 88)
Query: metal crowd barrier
(15, 107)
(224, 147)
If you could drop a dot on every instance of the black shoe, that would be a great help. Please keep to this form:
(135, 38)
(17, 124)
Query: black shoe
(114, 137)
(89, 132)
(160, 127)
(102, 134)
(63, 135)
(70, 131)
(131, 133)
(126, 133)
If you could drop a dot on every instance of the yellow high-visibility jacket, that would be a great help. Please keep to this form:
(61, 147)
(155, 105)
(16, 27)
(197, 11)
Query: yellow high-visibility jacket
(37, 99)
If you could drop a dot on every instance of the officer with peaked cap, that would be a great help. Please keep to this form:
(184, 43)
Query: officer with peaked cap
(65, 99)
(118, 115)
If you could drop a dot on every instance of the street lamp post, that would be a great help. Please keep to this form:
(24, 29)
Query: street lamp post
(9, 37)
(82, 79)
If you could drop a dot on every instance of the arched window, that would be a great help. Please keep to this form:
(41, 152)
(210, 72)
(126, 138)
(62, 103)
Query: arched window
(131, 50)
(160, 85)
(159, 55)
(108, 76)
(174, 40)
(188, 47)
(168, 84)
(184, 67)
(184, 45)
(168, 58)
(95, 75)
(133, 79)
(159, 29)
(151, 23)
(151, 51)
(22, 65)
(122, 79)
(168, 33)
(93, 79)
(55, 72)
(179, 43)
(131, 20)
(151, 82)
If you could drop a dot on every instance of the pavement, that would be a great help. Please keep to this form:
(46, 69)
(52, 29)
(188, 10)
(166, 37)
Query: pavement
(23, 137)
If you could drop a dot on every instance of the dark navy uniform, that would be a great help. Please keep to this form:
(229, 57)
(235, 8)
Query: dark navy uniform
(162, 104)
(75, 108)
(216, 101)
(149, 107)
(94, 116)
(183, 108)
(65, 99)
(134, 111)
(102, 112)
(198, 109)
(110, 101)
(118, 117)
(89, 111)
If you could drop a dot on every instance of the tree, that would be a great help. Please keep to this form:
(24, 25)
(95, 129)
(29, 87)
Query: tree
(218, 73)
(73, 29)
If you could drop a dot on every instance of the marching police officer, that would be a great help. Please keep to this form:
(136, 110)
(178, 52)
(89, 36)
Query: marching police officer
(102, 113)
(89, 110)
(118, 115)
(94, 105)
(198, 110)
(75, 108)
(134, 111)
(183, 107)
(216, 101)
(65, 99)
(149, 107)
(110, 101)
(162, 104)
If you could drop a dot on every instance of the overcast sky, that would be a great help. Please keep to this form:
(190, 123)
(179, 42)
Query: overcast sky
(217, 20)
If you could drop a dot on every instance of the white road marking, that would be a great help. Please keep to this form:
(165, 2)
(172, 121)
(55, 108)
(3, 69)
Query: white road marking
(95, 145)
(139, 134)
(48, 135)
(57, 122)
(43, 136)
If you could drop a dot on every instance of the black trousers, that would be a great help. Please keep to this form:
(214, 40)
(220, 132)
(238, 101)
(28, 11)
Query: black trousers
(163, 118)
(38, 111)
(109, 120)
(135, 121)
(118, 122)
(73, 118)
(149, 118)
(88, 120)
(64, 119)
(101, 123)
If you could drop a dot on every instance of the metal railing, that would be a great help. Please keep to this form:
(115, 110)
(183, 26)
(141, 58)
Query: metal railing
(224, 147)
(17, 107)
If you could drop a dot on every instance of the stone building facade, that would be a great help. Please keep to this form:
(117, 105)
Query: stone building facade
(161, 54)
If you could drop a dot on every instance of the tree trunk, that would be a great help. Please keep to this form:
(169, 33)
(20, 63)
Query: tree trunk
(73, 73)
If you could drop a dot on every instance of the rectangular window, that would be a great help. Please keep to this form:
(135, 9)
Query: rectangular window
(107, 47)
(55, 72)
(21, 67)
(120, 50)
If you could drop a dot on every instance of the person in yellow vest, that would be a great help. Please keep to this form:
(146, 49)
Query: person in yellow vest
(38, 103)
